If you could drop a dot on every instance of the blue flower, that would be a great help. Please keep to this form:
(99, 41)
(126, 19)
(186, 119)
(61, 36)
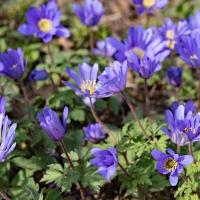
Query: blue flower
(175, 76)
(12, 64)
(52, 125)
(113, 79)
(140, 42)
(86, 81)
(94, 133)
(193, 22)
(44, 22)
(146, 67)
(183, 123)
(2, 105)
(149, 6)
(171, 32)
(106, 161)
(38, 75)
(188, 48)
(7, 135)
(104, 48)
(171, 163)
(90, 12)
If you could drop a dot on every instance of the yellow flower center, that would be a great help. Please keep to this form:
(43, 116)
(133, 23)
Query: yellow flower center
(45, 25)
(148, 3)
(171, 44)
(89, 85)
(170, 164)
(170, 34)
(138, 51)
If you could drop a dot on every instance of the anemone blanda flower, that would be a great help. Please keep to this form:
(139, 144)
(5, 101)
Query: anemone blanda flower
(171, 163)
(113, 79)
(44, 22)
(183, 123)
(52, 125)
(12, 64)
(104, 48)
(7, 135)
(140, 42)
(90, 12)
(94, 133)
(145, 67)
(194, 23)
(188, 48)
(106, 161)
(2, 105)
(149, 6)
(174, 75)
(38, 75)
(171, 32)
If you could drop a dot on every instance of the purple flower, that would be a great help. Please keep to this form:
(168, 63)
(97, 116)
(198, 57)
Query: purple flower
(171, 163)
(194, 23)
(7, 131)
(104, 48)
(90, 12)
(140, 42)
(94, 133)
(86, 82)
(149, 5)
(188, 48)
(52, 125)
(146, 67)
(183, 123)
(175, 76)
(171, 32)
(106, 161)
(113, 79)
(12, 64)
(38, 75)
(2, 105)
(44, 22)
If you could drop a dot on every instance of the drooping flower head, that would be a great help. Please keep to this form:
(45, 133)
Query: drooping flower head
(7, 136)
(140, 42)
(188, 48)
(90, 12)
(38, 75)
(12, 64)
(171, 32)
(106, 161)
(114, 78)
(52, 125)
(171, 163)
(183, 123)
(2, 105)
(175, 76)
(104, 48)
(149, 6)
(94, 133)
(44, 22)
(146, 67)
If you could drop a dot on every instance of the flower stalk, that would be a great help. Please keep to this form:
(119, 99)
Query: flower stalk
(147, 99)
(125, 172)
(4, 195)
(64, 149)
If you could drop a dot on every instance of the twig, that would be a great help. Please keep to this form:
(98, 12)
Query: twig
(125, 172)
(4, 195)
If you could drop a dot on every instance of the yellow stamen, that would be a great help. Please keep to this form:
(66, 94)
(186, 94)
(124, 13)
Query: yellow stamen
(171, 44)
(148, 3)
(170, 34)
(138, 51)
(45, 25)
(186, 130)
(170, 164)
(89, 85)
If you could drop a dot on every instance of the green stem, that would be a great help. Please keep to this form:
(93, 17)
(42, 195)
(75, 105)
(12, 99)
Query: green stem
(64, 149)
(178, 149)
(147, 99)
(52, 62)
(190, 149)
(125, 172)
(97, 119)
(91, 35)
